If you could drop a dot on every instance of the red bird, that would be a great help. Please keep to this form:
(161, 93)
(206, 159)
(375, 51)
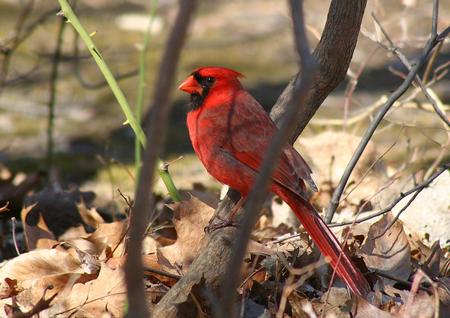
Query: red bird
(230, 133)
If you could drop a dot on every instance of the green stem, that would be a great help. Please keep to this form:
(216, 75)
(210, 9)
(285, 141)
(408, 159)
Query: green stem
(109, 77)
(164, 174)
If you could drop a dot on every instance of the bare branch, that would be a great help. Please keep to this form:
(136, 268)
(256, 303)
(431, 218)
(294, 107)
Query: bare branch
(432, 42)
(52, 94)
(416, 190)
(101, 83)
(397, 52)
(156, 132)
(7, 49)
(434, 19)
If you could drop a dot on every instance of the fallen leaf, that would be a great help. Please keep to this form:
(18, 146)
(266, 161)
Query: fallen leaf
(363, 309)
(389, 253)
(59, 208)
(108, 236)
(190, 219)
(35, 271)
(35, 229)
(90, 216)
(106, 294)
(8, 288)
(423, 306)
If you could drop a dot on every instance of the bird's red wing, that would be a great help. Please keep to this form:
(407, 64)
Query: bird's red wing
(251, 132)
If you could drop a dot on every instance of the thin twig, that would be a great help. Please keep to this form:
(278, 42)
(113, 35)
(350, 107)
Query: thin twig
(417, 188)
(156, 132)
(426, 74)
(369, 169)
(397, 52)
(432, 42)
(438, 159)
(401, 281)
(258, 194)
(13, 229)
(162, 273)
(291, 285)
(434, 18)
(101, 83)
(351, 86)
(7, 50)
(414, 288)
(52, 98)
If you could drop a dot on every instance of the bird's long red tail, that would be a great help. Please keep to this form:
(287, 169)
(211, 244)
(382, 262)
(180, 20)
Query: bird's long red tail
(327, 242)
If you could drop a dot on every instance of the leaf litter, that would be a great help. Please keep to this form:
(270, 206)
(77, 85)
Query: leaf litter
(72, 258)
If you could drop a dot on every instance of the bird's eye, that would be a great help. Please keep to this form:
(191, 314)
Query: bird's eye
(210, 80)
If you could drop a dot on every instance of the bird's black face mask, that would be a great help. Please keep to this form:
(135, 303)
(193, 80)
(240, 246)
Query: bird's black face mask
(205, 83)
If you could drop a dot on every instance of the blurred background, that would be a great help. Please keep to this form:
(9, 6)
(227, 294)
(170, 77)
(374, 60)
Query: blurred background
(92, 148)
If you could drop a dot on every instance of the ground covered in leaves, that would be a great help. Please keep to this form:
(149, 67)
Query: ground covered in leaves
(63, 255)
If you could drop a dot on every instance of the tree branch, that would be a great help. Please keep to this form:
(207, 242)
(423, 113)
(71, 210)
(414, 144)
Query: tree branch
(156, 131)
(206, 274)
(415, 191)
(432, 42)
(332, 55)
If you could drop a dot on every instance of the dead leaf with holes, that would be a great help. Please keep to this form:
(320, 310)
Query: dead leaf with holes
(190, 218)
(388, 251)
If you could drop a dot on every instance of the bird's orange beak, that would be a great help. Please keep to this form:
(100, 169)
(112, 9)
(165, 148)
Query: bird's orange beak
(191, 86)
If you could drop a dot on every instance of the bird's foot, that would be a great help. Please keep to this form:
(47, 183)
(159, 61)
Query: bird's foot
(215, 225)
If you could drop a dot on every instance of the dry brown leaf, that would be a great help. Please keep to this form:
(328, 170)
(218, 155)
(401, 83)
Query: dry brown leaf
(73, 233)
(149, 245)
(363, 309)
(90, 216)
(390, 253)
(107, 294)
(423, 306)
(59, 208)
(337, 303)
(35, 229)
(8, 288)
(190, 219)
(108, 236)
(35, 271)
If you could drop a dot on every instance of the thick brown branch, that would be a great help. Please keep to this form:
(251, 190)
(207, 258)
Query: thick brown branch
(156, 132)
(333, 55)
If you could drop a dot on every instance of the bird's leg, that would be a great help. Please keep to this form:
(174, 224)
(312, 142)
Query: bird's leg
(212, 226)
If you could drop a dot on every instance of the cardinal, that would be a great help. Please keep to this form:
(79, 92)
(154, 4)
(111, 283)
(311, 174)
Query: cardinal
(230, 133)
